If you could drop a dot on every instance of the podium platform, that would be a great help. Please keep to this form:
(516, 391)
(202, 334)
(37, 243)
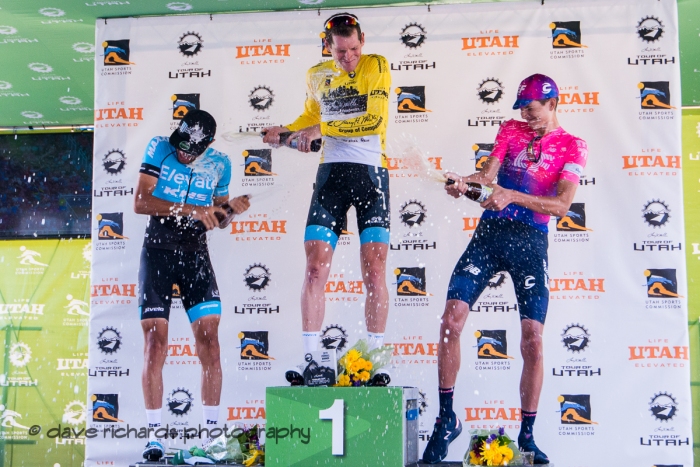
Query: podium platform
(356, 426)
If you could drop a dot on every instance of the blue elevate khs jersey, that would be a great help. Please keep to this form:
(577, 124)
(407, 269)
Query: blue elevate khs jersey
(196, 183)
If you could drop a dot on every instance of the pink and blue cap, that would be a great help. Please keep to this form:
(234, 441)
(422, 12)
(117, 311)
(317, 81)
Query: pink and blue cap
(534, 88)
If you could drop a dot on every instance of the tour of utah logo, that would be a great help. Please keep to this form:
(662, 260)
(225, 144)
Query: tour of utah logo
(489, 91)
(412, 215)
(190, 44)
(576, 340)
(413, 35)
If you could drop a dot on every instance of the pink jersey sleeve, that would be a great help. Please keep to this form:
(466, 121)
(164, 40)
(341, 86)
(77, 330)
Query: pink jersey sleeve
(575, 162)
(500, 148)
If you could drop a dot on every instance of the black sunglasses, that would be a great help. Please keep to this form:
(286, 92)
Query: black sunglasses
(531, 156)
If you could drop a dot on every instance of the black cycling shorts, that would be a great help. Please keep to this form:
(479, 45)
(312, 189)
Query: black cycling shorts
(511, 246)
(167, 272)
(340, 185)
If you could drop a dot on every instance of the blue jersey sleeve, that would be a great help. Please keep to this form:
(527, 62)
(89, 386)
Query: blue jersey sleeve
(225, 178)
(156, 151)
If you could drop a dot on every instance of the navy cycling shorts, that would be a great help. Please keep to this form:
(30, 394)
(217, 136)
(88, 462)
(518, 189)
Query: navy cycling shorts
(505, 245)
(165, 274)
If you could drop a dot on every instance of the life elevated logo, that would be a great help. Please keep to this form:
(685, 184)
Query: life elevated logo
(180, 402)
(411, 288)
(257, 279)
(341, 287)
(413, 36)
(113, 163)
(255, 350)
(571, 228)
(575, 285)
(663, 408)
(414, 350)
(572, 99)
(415, 232)
(257, 168)
(662, 289)
(576, 339)
(105, 408)
(258, 227)
(189, 45)
(405, 167)
(116, 58)
(566, 40)
(21, 310)
(254, 410)
(262, 52)
(118, 115)
(658, 352)
(493, 299)
(110, 231)
(490, 43)
(74, 366)
(650, 30)
(112, 291)
(656, 214)
(182, 350)
(655, 100)
(334, 337)
(576, 415)
(411, 105)
(492, 414)
(651, 162)
(489, 92)
(492, 350)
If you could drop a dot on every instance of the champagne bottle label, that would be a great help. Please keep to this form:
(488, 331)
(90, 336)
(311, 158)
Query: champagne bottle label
(485, 193)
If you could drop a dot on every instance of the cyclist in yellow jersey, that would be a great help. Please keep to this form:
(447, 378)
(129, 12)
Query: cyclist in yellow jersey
(347, 105)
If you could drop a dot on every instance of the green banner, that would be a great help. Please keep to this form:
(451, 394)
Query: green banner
(691, 204)
(44, 312)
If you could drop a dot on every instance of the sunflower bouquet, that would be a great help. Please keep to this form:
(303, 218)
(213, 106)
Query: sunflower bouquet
(492, 447)
(359, 364)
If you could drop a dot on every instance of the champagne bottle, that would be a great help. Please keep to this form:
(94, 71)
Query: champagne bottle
(475, 191)
(315, 144)
(224, 221)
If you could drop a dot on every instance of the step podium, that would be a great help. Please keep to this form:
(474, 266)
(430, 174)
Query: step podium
(355, 426)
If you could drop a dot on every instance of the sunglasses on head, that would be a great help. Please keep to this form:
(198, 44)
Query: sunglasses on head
(532, 155)
(345, 20)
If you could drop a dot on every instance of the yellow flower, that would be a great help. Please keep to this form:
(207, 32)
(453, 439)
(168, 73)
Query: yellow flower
(368, 365)
(473, 459)
(352, 355)
(363, 376)
(343, 380)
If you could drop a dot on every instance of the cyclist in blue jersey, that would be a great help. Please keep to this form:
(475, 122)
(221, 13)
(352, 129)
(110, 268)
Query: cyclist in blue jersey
(183, 184)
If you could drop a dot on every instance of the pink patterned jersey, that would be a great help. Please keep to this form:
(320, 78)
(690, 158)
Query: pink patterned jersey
(561, 157)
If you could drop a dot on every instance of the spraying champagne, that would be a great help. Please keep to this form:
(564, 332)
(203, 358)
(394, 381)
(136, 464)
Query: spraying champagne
(475, 191)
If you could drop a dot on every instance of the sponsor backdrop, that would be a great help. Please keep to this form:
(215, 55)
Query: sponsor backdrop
(44, 297)
(617, 358)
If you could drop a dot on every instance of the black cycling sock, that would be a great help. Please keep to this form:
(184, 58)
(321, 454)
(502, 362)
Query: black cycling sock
(527, 424)
(446, 397)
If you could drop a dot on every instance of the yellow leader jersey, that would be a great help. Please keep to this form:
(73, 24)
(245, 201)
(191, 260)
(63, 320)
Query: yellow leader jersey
(352, 109)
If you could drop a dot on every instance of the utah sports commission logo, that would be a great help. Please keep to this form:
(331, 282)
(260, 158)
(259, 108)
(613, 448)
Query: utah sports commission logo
(116, 53)
(190, 44)
(411, 99)
(413, 35)
(575, 409)
(254, 345)
(114, 161)
(663, 406)
(105, 408)
(655, 95)
(180, 402)
(490, 91)
(661, 283)
(656, 213)
(109, 340)
(650, 29)
(410, 282)
(574, 220)
(110, 226)
(482, 151)
(258, 163)
(257, 277)
(566, 34)
(575, 338)
(412, 213)
(491, 345)
(183, 103)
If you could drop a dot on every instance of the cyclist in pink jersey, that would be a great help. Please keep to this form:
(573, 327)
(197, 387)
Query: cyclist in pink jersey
(537, 165)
